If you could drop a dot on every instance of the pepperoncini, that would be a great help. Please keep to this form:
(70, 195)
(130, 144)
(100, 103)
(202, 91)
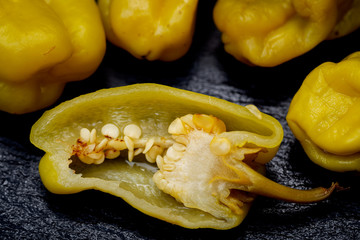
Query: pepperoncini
(268, 33)
(43, 45)
(324, 115)
(150, 29)
(166, 152)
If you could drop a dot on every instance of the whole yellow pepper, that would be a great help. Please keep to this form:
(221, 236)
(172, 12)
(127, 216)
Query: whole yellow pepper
(270, 32)
(324, 115)
(43, 45)
(150, 29)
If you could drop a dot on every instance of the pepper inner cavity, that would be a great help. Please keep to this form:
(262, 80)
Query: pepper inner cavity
(193, 147)
(93, 149)
(196, 164)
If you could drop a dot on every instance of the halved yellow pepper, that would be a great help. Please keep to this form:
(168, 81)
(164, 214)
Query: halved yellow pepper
(183, 157)
(150, 29)
(43, 45)
(324, 115)
(268, 33)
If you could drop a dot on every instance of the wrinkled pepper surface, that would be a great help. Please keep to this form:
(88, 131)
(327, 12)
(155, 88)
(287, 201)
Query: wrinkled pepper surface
(183, 157)
(268, 33)
(324, 114)
(44, 44)
(150, 29)
(348, 18)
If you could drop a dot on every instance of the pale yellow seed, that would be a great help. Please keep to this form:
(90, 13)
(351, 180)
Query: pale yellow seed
(101, 145)
(169, 167)
(116, 144)
(177, 127)
(96, 156)
(254, 110)
(159, 162)
(182, 139)
(100, 160)
(110, 130)
(92, 136)
(138, 151)
(220, 146)
(149, 144)
(112, 154)
(173, 154)
(89, 148)
(168, 160)
(129, 143)
(130, 155)
(154, 151)
(179, 147)
(152, 154)
(132, 131)
(219, 126)
(149, 158)
(188, 120)
(86, 159)
(85, 135)
(204, 122)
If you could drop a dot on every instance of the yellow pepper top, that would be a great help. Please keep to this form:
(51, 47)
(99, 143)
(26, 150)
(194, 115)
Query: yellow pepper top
(325, 114)
(43, 45)
(268, 33)
(150, 29)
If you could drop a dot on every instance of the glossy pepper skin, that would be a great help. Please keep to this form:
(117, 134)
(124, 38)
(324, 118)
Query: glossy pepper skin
(324, 115)
(150, 29)
(44, 44)
(221, 166)
(268, 33)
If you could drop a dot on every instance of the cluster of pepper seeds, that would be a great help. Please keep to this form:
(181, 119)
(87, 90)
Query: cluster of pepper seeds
(91, 149)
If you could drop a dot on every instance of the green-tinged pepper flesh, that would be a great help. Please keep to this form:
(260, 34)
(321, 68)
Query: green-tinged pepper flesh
(183, 157)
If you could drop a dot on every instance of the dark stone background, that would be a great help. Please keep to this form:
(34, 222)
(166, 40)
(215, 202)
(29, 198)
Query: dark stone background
(29, 211)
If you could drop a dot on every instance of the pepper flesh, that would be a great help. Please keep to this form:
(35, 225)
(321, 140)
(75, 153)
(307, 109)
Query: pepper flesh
(268, 33)
(150, 29)
(324, 115)
(44, 45)
(169, 117)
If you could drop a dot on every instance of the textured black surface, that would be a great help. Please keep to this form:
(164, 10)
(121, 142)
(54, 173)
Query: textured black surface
(29, 211)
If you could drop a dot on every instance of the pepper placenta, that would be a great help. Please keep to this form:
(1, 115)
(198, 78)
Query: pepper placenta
(268, 33)
(44, 44)
(183, 157)
(150, 29)
(324, 115)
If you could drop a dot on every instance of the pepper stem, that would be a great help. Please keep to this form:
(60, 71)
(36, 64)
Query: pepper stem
(266, 187)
